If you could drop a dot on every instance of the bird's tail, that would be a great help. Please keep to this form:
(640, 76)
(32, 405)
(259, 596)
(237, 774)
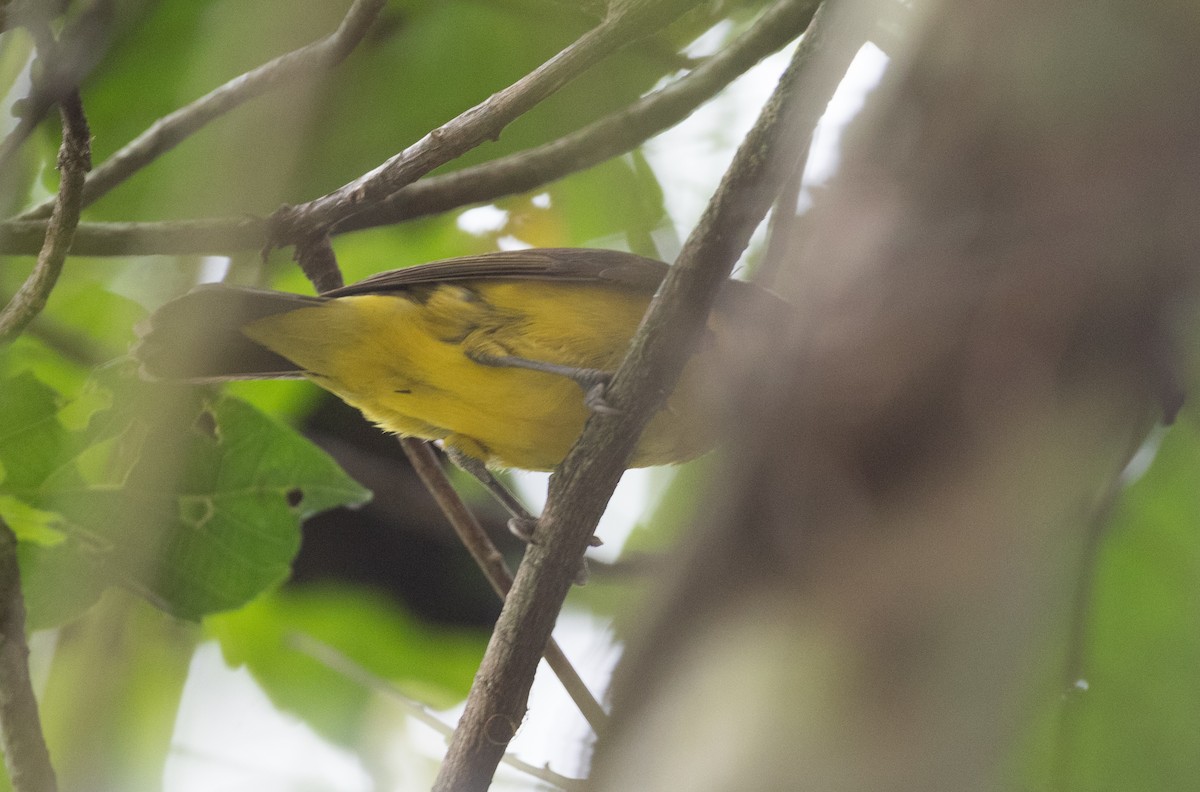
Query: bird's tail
(198, 337)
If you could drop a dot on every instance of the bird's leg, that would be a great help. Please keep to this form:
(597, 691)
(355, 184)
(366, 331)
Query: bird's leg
(592, 381)
(521, 523)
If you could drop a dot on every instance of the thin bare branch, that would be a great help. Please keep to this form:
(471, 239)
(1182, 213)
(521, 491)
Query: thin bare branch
(480, 123)
(172, 129)
(1074, 678)
(491, 561)
(25, 754)
(43, 93)
(212, 236)
(74, 160)
(583, 483)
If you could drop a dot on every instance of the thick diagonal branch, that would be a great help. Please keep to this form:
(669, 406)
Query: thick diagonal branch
(582, 485)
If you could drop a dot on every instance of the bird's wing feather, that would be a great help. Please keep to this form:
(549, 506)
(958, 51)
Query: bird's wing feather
(557, 264)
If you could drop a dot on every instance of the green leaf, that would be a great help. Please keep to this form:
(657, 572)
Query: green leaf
(30, 524)
(274, 638)
(35, 357)
(62, 581)
(192, 500)
(85, 311)
(585, 200)
(32, 441)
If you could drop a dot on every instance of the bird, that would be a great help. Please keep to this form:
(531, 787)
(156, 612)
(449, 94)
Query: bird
(499, 356)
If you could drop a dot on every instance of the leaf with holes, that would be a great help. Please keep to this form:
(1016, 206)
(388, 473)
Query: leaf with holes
(192, 500)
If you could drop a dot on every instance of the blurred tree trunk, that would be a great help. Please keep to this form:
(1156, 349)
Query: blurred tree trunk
(988, 298)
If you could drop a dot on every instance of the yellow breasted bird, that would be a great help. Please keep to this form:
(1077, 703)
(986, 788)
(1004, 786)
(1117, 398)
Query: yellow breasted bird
(486, 353)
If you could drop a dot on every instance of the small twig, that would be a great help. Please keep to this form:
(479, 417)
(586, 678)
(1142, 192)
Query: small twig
(485, 553)
(1073, 679)
(63, 65)
(583, 483)
(515, 173)
(474, 126)
(172, 129)
(491, 561)
(25, 754)
(30, 118)
(1073, 682)
(318, 263)
(338, 662)
(74, 160)
(43, 93)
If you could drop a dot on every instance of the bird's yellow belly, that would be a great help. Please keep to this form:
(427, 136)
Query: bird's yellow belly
(505, 416)
(407, 365)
